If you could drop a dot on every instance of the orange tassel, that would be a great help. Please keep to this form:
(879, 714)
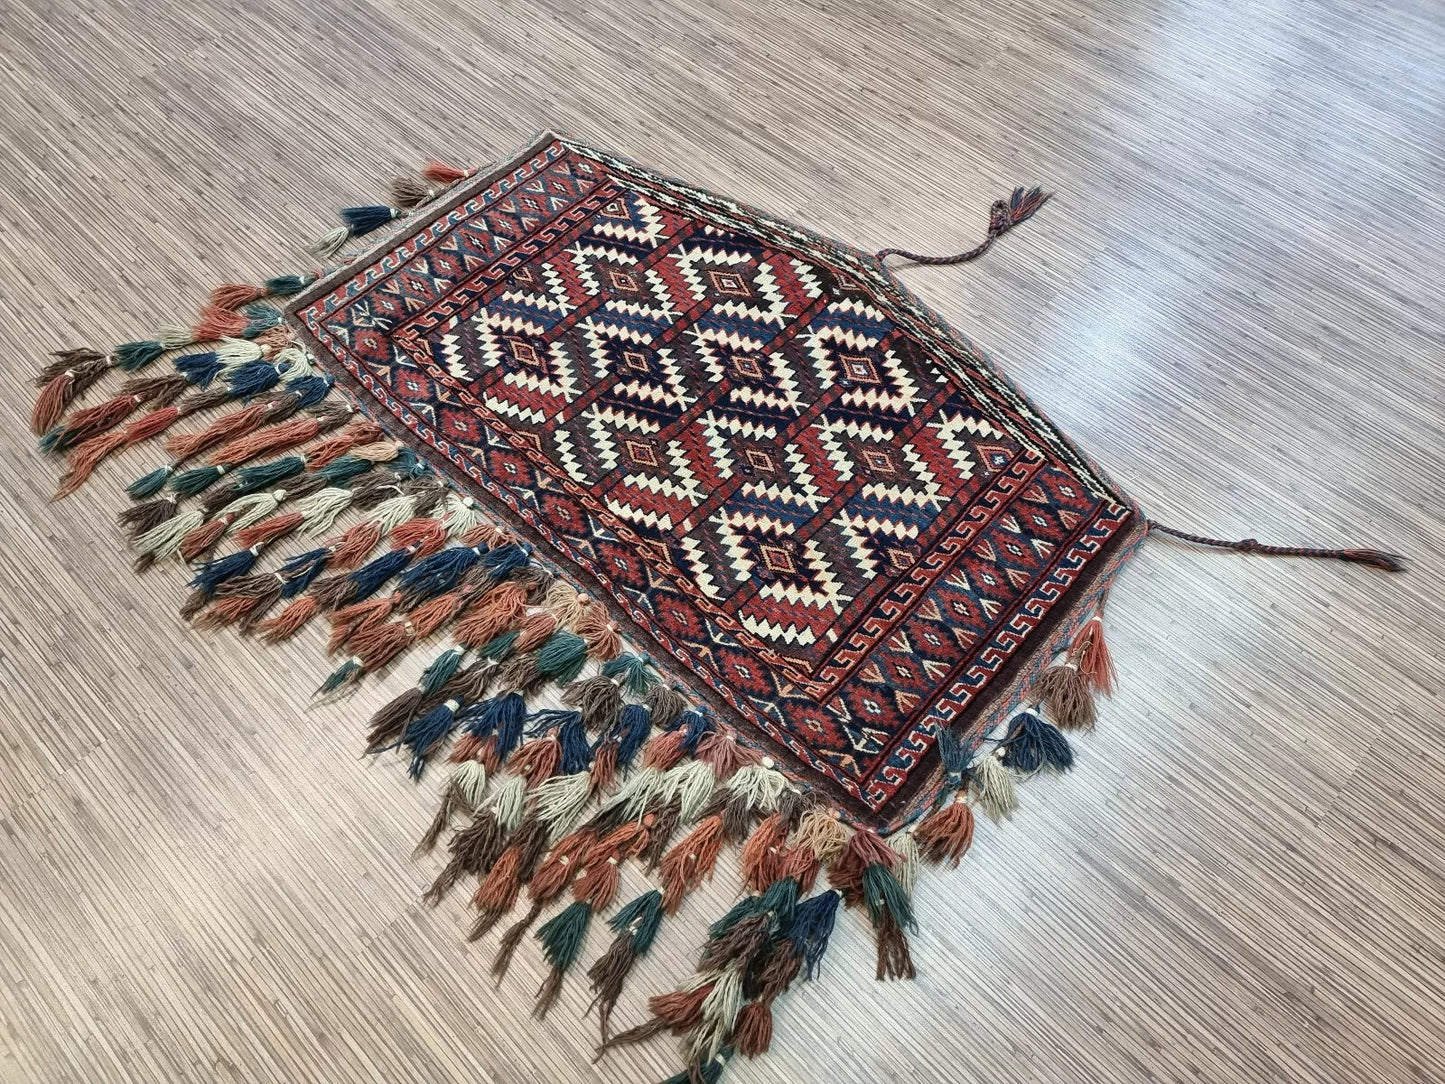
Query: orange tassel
(690, 862)
(498, 890)
(534, 629)
(51, 403)
(536, 760)
(761, 857)
(217, 323)
(946, 834)
(362, 431)
(496, 612)
(1091, 654)
(562, 864)
(103, 416)
(604, 766)
(663, 751)
(754, 1031)
(234, 295)
(268, 530)
(597, 882)
(680, 1010)
(273, 438)
(85, 459)
(204, 537)
(425, 536)
(725, 754)
(350, 549)
(289, 621)
(442, 173)
(185, 445)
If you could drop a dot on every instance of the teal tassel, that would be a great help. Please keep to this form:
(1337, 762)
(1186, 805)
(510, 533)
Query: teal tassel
(781, 899)
(646, 912)
(710, 1073)
(562, 937)
(344, 674)
(498, 647)
(137, 355)
(286, 285)
(744, 908)
(148, 485)
(562, 656)
(189, 483)
(634, 672)
(883, 893)
(440, 671)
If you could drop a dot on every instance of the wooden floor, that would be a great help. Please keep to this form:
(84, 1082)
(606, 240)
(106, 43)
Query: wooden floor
(1234, 303)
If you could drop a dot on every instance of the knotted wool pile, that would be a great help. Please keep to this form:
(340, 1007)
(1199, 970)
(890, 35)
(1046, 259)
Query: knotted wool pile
(811, 576)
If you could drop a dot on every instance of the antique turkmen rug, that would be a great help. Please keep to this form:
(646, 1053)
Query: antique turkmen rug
(696, 529)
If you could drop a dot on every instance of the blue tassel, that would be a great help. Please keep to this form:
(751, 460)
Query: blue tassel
(1034, 743)
(633, 672)
(309, 390)
(300, 570)
(507, 711)
(148, 485)
(200, 369)
(509, 725)
(363, 220)
(498, 647)
(811, 927)
(576, 750)
(189, 483)
(212, 574)
(551, 719)
(440, 671)
(137, 355)
(632, 731)
(504, 560)
(366, 579)
(438, 573)
(344, 674)
(252, 479)
(646, 911)
(253, 378)
(50, 442)
(695, 724)
(423, 734)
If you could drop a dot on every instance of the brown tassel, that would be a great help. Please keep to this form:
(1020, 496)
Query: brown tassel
(741, 942)
(386, 726)
(666, 704)
(1091, 654)
(451, 801)
(362, 431)
(754, 1031)
(507, 947)
(1064, 690)
(894, 959)
(608, 974)
(947, 833)
(197, 542)
(104, 416)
